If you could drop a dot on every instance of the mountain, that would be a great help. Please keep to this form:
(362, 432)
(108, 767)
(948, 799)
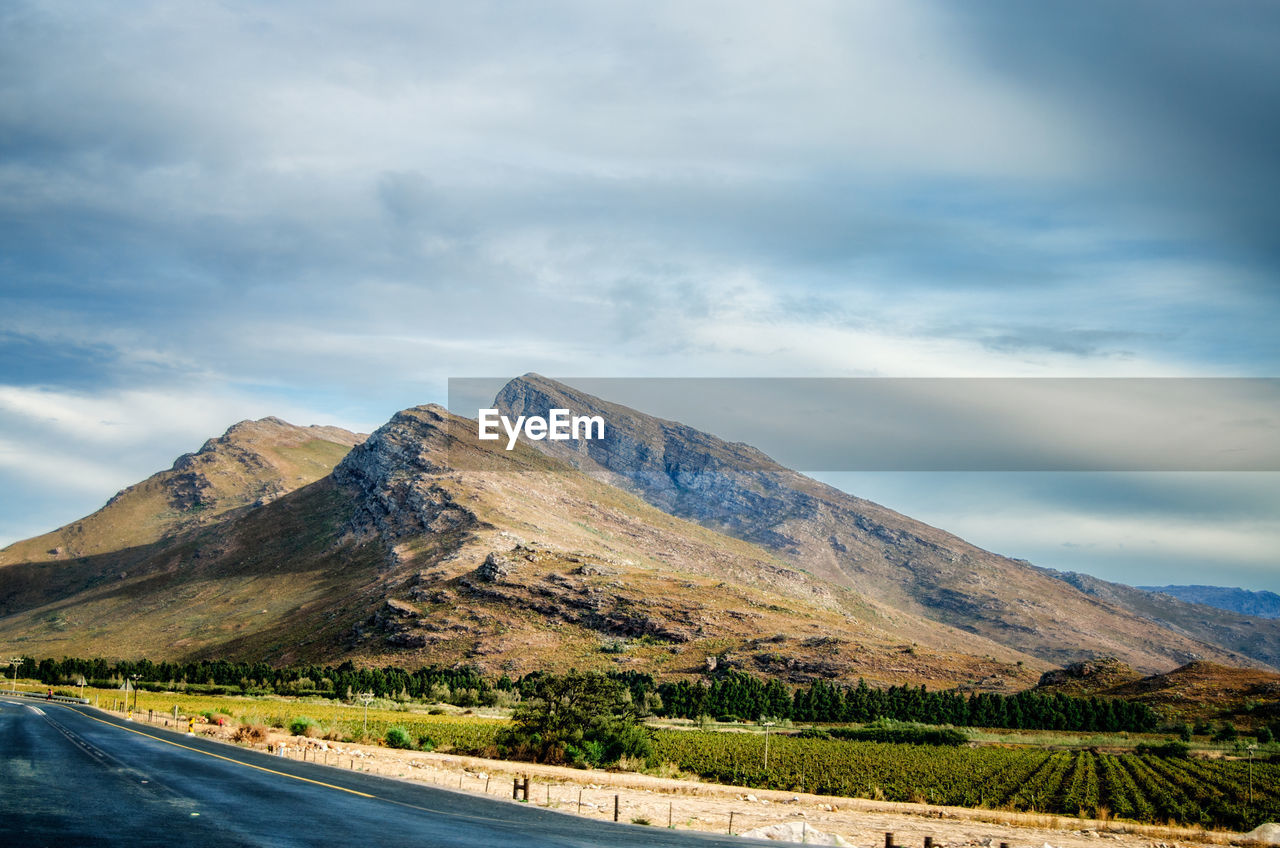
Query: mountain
(1257, 604)
(254, 462)
(514, 564)
(658, 549)
(1254, 637)
(854, 543)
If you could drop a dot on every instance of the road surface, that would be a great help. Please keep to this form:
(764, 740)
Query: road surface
(75, 776)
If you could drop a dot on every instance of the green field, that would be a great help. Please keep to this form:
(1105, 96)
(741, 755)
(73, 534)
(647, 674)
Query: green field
(1231, 793)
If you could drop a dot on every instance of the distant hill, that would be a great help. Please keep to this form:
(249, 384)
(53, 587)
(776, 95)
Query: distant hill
(1259, 604)
(1251, 636)
(1196, 691)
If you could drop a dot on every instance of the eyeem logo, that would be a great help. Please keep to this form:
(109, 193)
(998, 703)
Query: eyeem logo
(560, 426)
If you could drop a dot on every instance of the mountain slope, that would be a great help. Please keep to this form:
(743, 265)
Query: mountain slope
(1255, 637)
(253, 462)
(515, 564)
(1196, 691)
(1258, 604)
(852, 542)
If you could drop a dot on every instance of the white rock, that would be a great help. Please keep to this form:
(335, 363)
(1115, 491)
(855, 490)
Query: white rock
(795, 832)
(1268, 833)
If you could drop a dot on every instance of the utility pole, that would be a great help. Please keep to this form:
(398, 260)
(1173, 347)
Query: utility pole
(135, 691)
(15, 662)
(365, 698)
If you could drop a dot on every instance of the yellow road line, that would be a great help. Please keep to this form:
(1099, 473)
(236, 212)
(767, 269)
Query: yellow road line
(228, 759)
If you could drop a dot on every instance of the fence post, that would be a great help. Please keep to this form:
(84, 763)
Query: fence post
(670, 807)
(615, 807)
(731, 822)
(579, 800)
(928, 842)
(888, 839)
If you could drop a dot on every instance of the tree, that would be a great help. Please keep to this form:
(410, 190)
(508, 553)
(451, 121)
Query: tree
(584, 719)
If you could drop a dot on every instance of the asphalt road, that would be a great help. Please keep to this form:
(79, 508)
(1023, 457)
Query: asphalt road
(73, 776)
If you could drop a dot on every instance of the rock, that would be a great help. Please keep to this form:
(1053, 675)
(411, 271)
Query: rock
(799, 832)
(495, 567)
(1268, 833)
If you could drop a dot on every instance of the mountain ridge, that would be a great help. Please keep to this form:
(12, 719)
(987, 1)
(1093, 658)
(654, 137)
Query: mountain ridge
(851, 541)
(251, 462)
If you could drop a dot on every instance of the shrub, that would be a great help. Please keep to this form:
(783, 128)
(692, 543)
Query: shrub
(250, 733)
(1174, 749)
(1226, 732)
(905, 734)
(302, 726)
(426, 743)
(398, 737)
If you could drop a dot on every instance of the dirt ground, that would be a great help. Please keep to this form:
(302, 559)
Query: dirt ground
(691, 804)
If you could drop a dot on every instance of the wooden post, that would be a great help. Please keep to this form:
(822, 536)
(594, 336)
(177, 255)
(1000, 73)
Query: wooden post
(486, 785)
(670, 807)
(731, 822)
(579, 800)
(515, 789)
(548, 794)
(888, 840)
(615, 807)
(459, 781)
(928, 842)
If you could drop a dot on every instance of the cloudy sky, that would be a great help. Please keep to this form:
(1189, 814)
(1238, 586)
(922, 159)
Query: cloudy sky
(322, 211)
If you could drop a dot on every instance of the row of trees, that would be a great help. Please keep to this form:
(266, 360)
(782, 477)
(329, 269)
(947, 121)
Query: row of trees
(731, 694)
(742, 695)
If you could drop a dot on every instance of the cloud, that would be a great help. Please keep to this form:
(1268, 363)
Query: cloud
(329, 208)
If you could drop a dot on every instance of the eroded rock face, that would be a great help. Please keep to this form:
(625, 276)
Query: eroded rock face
(395, 478)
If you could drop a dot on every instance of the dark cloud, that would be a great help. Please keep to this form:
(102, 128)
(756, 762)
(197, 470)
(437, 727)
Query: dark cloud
(1180, 98)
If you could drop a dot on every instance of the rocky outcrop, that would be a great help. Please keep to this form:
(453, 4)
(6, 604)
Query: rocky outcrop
(394, 479)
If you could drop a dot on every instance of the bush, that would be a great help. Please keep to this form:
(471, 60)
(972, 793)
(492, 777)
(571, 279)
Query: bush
(902, 734)
(1177, 750)
(302, 726)
(1265, 736)
(426, 743)
(398, 737)
(1226, 732)
(250, 733)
